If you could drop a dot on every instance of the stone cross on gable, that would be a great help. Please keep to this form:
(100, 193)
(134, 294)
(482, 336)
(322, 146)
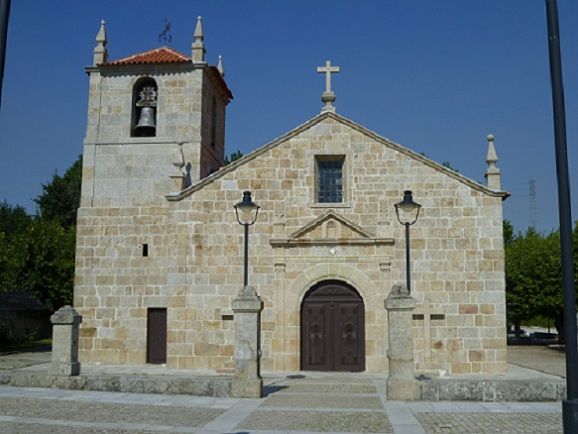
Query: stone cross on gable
(328, 70)
(328, 97)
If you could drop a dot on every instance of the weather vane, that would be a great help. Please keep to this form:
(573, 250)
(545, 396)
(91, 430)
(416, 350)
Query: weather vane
(165, 36)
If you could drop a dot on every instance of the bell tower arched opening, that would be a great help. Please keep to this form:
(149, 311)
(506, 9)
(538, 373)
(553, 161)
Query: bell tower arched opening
(333, 328)
(144, 108)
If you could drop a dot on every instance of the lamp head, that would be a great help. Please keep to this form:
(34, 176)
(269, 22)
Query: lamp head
(407, 210)
(247, 210)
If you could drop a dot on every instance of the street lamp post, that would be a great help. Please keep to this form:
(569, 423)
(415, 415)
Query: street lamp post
(407, 212)
(247, 307)
(246, 212)
(570, 405)
(4, 15)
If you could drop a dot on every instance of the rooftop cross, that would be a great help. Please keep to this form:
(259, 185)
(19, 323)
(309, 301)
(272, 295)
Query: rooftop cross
(328, 97)
(328, 69)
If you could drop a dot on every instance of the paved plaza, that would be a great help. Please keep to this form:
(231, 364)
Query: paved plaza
(327, 404)
(304, 403)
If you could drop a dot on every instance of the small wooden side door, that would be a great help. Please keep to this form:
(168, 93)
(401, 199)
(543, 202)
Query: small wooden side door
(157, 335)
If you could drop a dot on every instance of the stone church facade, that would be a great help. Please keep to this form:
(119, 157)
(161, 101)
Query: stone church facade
(160, 252)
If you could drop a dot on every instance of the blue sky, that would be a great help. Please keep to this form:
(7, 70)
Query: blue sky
(435, 76)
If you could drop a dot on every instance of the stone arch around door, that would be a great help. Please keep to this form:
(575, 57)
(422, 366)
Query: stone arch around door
(317, 273)
(332, 328)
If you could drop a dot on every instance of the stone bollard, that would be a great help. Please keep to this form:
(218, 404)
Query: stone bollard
(65, 323)
(247, 382)
(401, 383)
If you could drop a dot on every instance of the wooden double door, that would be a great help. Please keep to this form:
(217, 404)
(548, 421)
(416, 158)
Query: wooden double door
(332, 328)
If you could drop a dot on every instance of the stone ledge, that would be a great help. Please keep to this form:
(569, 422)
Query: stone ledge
(215, 386)
(4, 378)
(487, 390)
(431, 389)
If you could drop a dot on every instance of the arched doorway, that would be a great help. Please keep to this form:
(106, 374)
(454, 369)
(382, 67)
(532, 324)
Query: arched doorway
(332, 328)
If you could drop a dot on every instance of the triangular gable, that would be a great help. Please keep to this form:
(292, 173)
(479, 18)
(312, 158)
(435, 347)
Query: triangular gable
(330, 228)
(330, 217)
(176, 196)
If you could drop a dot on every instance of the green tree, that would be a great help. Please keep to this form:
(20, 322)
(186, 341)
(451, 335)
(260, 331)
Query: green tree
(39, 261)
(10, 263)
(534, 276)
(550, 303)
(46, 262)
(523, 279)
(60, 198)
(449, 166)
(14, 221)
(233, 157)
(575, 246)
(508, 233)
(553, 297)
(37, 253)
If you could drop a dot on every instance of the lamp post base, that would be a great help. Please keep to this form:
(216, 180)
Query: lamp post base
(570, 415)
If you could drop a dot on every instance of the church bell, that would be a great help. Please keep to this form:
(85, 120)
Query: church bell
(147, 118)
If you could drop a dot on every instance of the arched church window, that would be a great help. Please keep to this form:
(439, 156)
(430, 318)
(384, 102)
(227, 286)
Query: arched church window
(144, 108)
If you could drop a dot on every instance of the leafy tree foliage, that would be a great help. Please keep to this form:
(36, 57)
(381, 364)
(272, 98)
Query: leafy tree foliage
(37, 252)
(508, 233)
(13, 219)
(60, 198)
(449, 166)
(40, 261)
(534, 276)
(233, 157)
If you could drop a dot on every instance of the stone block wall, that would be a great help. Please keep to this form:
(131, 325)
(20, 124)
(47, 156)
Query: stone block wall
(110, 101)
(120, 170)
(194, 267)
(213, 148)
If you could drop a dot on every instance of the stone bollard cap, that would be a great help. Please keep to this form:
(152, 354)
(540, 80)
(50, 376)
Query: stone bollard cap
(66, 315)
(247, 301)
(399, 298)
(398, 290)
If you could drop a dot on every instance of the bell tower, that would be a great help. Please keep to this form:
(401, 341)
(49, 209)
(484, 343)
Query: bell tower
(156, 123)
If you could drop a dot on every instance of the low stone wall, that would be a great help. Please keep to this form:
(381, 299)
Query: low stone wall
(216, 386)
(436, 389)
(454, 389)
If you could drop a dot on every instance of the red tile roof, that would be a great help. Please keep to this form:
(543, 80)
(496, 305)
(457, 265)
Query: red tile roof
(158, 55)
(165, 55)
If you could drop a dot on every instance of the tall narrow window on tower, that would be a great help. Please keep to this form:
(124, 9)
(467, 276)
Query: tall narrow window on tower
(144, 104)
(329, 178)
(213, 121)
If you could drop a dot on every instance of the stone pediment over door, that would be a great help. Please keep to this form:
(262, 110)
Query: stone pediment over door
(330, 228)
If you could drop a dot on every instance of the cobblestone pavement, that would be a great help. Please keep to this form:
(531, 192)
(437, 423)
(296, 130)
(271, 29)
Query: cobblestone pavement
(523, 423)
(319, 403)
(303, 403)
